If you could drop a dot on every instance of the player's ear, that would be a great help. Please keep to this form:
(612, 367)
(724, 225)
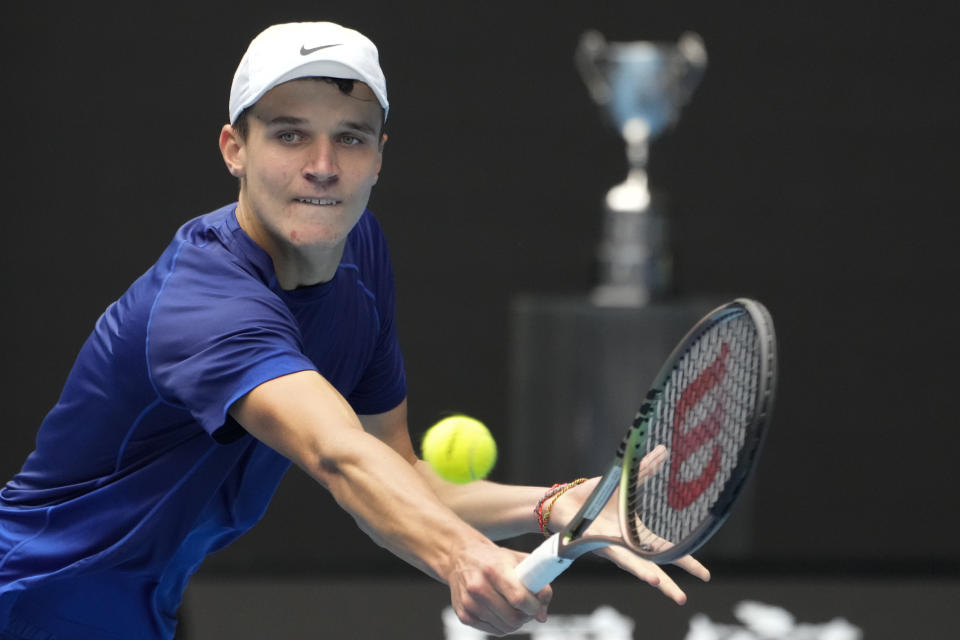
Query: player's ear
(383, 142)
(233, 150)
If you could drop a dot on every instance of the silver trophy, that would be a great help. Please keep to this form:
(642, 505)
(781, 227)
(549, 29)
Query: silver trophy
(641, 86)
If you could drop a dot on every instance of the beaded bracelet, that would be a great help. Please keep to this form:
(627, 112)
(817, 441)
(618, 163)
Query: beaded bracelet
(557, 490)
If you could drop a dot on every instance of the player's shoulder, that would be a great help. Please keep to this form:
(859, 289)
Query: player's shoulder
(213, 230)
(214, 280)
(217, 252)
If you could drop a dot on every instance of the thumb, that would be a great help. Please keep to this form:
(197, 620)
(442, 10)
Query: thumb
(545, 595)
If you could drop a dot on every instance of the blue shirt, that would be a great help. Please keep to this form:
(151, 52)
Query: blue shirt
(139, 471)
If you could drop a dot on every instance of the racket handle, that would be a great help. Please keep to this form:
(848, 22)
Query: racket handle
(543, 565)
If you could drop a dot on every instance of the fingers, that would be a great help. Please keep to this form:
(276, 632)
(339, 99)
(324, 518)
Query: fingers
(490, 597)
(651, 463)
(544, 597)
(494, 612)
(692, 566)
(653, 574)
(670, 589)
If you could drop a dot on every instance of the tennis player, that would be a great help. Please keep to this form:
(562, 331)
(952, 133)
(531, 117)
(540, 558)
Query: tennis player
(263, 335)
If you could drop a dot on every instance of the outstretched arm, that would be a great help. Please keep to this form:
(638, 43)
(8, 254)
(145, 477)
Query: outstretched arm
(503, 511)
(305, 419)
(499, 511)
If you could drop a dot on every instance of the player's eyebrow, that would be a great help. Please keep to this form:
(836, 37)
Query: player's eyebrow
(281, 120)
(361, 127)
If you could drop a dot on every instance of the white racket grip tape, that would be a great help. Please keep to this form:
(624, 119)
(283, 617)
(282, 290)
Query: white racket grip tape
(543, 565)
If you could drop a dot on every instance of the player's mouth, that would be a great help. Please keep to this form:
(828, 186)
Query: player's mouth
(318, 202)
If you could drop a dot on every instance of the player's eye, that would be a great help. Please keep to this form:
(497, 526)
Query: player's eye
(350, 139)
(289, 137)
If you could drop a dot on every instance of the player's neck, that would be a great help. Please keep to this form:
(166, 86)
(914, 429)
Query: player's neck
(302, 267)
(294, 265)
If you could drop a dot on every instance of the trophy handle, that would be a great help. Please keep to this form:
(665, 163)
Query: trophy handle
(692, 62)
(591, 48)
(692, 48)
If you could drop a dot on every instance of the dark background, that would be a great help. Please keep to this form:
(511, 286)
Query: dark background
(813, 170)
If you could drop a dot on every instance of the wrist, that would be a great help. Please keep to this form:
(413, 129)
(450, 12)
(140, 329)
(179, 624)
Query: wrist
(462, 553)
(544, 509)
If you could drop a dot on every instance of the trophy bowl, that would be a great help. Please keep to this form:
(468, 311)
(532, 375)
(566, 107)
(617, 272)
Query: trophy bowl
(640, 87)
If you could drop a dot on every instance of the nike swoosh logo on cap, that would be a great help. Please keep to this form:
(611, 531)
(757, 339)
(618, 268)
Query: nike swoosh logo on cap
(305, 52)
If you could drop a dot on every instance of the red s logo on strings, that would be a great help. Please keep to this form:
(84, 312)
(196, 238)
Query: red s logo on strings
(681, 494)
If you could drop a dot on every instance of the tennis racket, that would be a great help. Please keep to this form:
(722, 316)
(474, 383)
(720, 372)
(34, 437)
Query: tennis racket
(689, 451)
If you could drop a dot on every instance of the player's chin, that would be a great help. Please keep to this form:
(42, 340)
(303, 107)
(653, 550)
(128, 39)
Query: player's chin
(322, 232)
(328, 224)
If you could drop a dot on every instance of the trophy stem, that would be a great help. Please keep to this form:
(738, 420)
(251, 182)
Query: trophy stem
(632, 251)
(636, 133)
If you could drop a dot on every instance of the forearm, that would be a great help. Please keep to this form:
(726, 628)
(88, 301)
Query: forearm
(498, 510)
(371, 481)
(393, 504)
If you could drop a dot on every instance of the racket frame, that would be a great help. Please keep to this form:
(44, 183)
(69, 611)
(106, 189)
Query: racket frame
(556, 553)
(634, 441)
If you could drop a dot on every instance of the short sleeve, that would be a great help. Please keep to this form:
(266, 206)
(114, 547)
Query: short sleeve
(215, 333)
(383, 384)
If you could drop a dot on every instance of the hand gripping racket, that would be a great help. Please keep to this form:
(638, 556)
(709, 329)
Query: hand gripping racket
(692, 445)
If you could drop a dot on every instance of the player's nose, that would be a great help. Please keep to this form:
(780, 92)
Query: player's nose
(321, 165)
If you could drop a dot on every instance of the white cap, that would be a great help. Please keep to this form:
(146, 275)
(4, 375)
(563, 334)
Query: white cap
(294, 50)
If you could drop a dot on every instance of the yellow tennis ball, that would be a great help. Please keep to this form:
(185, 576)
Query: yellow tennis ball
(460, 449)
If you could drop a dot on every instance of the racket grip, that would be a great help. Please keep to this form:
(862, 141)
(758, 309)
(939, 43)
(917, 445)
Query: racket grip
(543, 565)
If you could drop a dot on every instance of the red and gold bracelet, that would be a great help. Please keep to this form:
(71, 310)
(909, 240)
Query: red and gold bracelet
(557, 490)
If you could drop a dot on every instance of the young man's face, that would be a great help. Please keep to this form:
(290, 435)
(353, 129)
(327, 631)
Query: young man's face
(307, 164)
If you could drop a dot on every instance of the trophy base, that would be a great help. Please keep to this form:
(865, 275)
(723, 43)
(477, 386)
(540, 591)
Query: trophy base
(619, 295)
(634, 263)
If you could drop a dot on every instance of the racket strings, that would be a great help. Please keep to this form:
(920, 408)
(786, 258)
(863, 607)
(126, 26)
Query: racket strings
(702, 416)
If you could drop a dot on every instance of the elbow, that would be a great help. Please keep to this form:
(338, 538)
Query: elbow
(335, 465)
(328, 469)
